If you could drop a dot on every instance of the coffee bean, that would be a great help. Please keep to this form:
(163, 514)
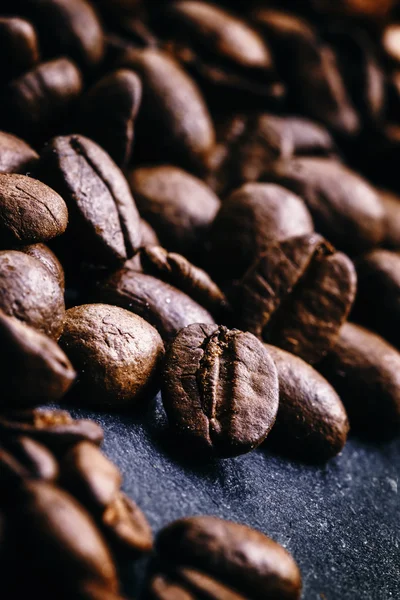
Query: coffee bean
(248, 220)
(30, 211)
(149, 236)
(391, 205)
(37, 102)
(243, 558)
(34, 457)
(179, 206)
(311, 423)
(104, 222)
(390, 41)
(29, 292)
(116, 353)
(374, 10)
(297, 295)
(189, 584)
(19, 48)
(33, 367)
(365, 371)
(95, 591)
(114, 102)
(16, 156)
(162, 305)
(53, 428)
(378, 298)
(183, 129)
(126, 527)
(345, 208)
(48, 259)
(220, 389)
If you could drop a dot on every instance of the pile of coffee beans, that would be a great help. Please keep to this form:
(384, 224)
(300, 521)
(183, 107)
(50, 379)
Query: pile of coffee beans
(199, 198)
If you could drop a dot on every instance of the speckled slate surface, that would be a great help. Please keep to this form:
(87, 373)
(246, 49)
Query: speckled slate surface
(341, 522)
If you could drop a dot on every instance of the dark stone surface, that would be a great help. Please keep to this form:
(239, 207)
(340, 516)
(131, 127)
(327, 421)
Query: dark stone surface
(341, 521)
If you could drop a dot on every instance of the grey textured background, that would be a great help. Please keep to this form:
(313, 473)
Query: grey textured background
(341, 521)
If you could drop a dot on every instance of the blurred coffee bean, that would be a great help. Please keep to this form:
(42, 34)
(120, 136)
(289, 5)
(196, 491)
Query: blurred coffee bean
(19, 48)
(104, 222)
(36, 103)
(149, 236)
(34, 457)
(297, 295)
(378, 298)
(117, 355)
(179, 206)
(374, 10)
(48, 259)
(16, 156)
(365, 371)
(391, 205)
(114, 102)
(311, 423)
(391, 41)
(243, 558)
(33, 368)
(29, 292)
(188, 584)
(95, 591)
(174, 122)
(30, 211)
(165, 307)
(346, 209)
(220, 390)
(250, 218)
(126, 527)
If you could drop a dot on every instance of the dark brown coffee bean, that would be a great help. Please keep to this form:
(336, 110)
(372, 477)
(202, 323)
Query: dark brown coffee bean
(183, 129)
(43, 254)
(189, 584)
(126, 527)
(12, 472)
(220, 389)
(162, 305)
(378, 298)
(375, 10)
(114, 102)
(90, 476)
(176, 270)
(179, 206)
(248, 220)
(37, 102)
(30, 211)
(33, 368)
(104, 221)
(297, 295)
(253, 564)
(311, 423)
(29, 292)
(34, 457)
(365, 371)
(391, 205)
(15, 155)
(53, 428)
(95, 591)
(345, 207)
(19, 49)
(116, 353)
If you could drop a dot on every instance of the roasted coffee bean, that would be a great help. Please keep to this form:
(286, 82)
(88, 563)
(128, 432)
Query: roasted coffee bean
(391, 205)
(174, 121)
(179, 206)
(53, 428)
(90, 476)
(126, 527)
(33, 368)
(390, 41)
(114, 102)
(373, 9)
(16, 156)
(220, 389)
(162, 305)
(243, 558)
(29, 292)
(346, 209)
(104, 221)
(19, 48)
(297, 295)
(34, 457)
(116, 353)
(30, 211)
(310, 69)
(48, 259)
(189, 584)
(248, 220)
(176, 270)
(37, 102)
(378, 298)
(365, 371)
(149, 236)
(12, 472)
(311, 423)
(95, 591)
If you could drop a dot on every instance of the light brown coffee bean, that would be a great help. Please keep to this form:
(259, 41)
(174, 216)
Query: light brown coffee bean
(126, 527)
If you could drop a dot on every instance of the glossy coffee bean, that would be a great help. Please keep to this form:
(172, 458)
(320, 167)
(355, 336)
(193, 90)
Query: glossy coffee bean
(220, 389)
(19, 47)
(30, 211)
(365, 371)
(126, 527)
(165, 307)
(34, 457)
(16, 156)
(48, 259)
(117, 355)
(29, 292)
